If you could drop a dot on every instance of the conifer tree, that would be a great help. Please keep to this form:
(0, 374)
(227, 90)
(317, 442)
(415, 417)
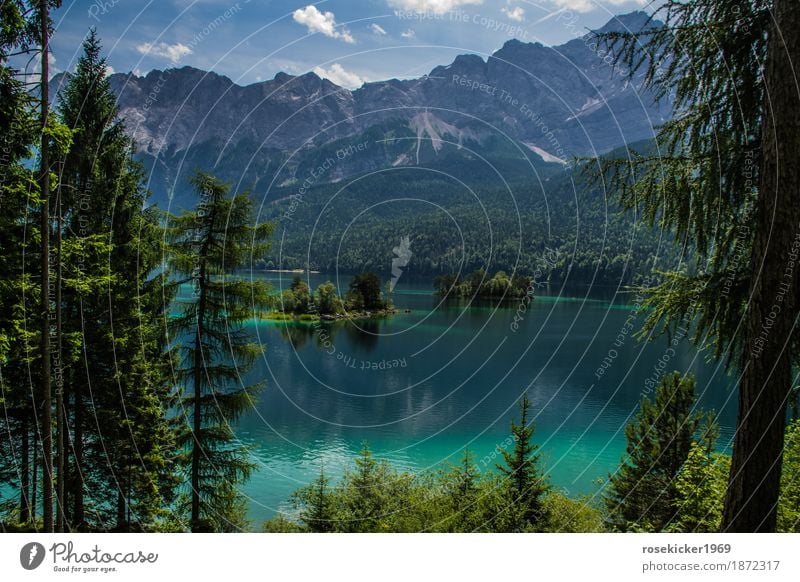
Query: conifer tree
(700, 487)
(316, 504)
(722, 177)
(642, 493)
(365, 500)
(117, 387)
(18, 194)
(206, 247)
(525, 481)
(462, 494)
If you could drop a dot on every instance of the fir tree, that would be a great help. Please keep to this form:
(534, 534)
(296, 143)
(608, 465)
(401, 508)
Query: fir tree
(525, 481)
(365, 499)
(316, 504)
(206, 246)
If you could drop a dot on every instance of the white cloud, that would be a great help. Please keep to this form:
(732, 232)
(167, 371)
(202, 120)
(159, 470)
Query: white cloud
(110, 70)
(435, 6)
(322, 22)
(173, 52)
(517, 13)
(589, 5)
(575, 5)
(341, 76)
(377, 29)
(408, 34)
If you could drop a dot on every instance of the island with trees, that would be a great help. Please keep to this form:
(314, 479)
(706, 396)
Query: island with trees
(478, 285)
(364, 299)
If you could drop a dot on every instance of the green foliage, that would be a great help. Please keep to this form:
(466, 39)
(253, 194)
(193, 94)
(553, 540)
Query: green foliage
(301, 295)
(370, 495)
(375, 497)
(281, 524)
(111, 248)
(327, 300)
(789, 502)
(642, 494)
(700, 486)
(567, 515)
(109, 358)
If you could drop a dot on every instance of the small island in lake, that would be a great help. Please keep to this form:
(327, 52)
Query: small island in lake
(478, 285)
(363, 299)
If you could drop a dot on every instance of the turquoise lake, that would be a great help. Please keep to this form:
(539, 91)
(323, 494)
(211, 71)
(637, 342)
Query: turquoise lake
(422, 385)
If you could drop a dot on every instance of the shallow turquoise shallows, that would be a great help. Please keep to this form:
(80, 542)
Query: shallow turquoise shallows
(422, 385)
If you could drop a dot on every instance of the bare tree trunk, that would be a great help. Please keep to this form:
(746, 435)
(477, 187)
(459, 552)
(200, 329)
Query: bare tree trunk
(35, 476)
(61, 421)
(46, 419)
(751, 503)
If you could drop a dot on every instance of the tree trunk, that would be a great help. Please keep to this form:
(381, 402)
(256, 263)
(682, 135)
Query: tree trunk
(121, 526)
(751, 502)
(198, 398)
(46, 419)
(61, 423)
(35, 476)
(25, 467)
(77, 444)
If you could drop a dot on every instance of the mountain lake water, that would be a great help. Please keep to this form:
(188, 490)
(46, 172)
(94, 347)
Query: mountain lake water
(440, 376)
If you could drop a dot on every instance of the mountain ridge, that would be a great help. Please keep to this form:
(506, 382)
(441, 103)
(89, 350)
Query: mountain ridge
(554, 102)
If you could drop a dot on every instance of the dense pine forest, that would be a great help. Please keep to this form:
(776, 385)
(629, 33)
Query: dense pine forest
(120, 395)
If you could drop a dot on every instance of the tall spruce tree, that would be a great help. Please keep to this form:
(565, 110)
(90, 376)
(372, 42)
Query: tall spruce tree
(18, 262)
(117, 388)
(642, 494)
(206, 247)
(26, 30)
(525, 481)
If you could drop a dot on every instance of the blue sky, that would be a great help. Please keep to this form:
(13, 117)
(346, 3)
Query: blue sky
(347, 41)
